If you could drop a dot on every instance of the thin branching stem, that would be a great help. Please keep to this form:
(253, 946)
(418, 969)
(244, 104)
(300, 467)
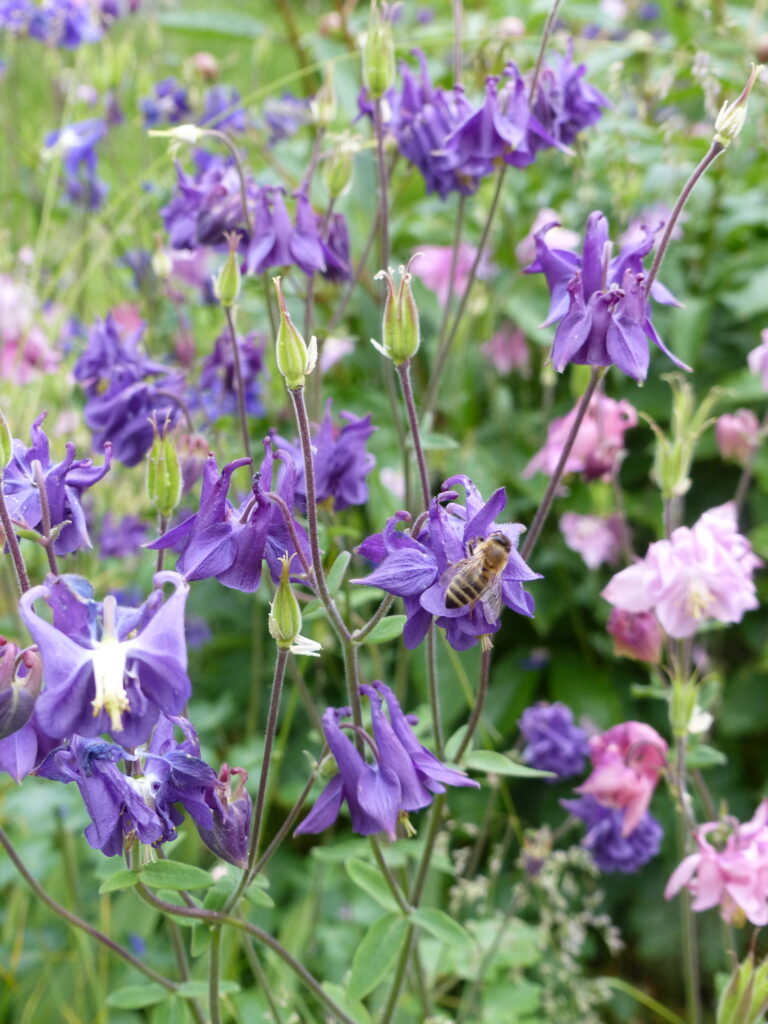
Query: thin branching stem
(477, 710)
(239, 384)
(45, 516)
(22, 579)
(214, 976)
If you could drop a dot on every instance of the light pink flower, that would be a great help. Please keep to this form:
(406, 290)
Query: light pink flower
(433, 268)
(332, 350)
(636, 635)
(597, 539)
(599, 443)
(627, 763)
(508, 350)
(737, 434)
(556, 237)
(733, 876)
(24, 348)
(702, 572)
(757, 359)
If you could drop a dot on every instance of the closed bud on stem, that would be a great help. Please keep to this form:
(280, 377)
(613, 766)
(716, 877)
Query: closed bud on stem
(163, 471)
(732, 116)
(744, 1000)
(162, 264)
(682, 704)
(378, 52)
(21, 678)
(338, 167)
(323, 104)
(400, 330)
(285, 614)
(226, 284)
(179, 134)
(295, 359)
(6, 442)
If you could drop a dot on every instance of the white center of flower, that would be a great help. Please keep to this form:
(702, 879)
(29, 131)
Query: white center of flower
(109, 658)
(699, 598)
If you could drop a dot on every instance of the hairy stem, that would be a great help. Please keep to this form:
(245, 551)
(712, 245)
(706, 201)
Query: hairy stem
(243, 413)
(22, 579)
(214, 976)
(404, 373)
(477, 710)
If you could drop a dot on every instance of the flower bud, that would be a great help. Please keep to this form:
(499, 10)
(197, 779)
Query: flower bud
(338, 167)
(674, 452)
(295, 359)
(19, 687)
(162, 263)
(744, 1000)
(636, 635)
(682, 704)
(323, 103)
(226, 284)
(205, 65)
(400, 330)
(378, 53)
(228, 837)
(6, 442)
(738, 435)
(163, 472)
(284, 614)
(732, 116)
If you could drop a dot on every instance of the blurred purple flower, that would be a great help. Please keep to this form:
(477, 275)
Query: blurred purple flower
(403, 777)
(554, 743)
(108, 668)
(565, 102)
(224, 110)
(599, 303)
(76, 145)
(169, 104)
(217, 388)
(610, 850)
(121, 538)
(419, 569)
(65, 482)
(284, 116)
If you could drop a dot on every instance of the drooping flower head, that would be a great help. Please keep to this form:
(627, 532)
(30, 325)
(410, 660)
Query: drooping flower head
(729, 870)
(636, 635)
(64, 483)
(108, 668)
(699, 573)
(599, 444)
(611, 849)
(420, 569)
(403, 775)
(231, 543)
(566, 103)
(554, 743)
(76, 145)
(737, 435)
(600, 303)
(124, 388)
(627, 763)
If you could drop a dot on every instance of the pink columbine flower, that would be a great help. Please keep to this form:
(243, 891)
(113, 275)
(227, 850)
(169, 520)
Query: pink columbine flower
(599, 444)
(433, 268)
(24, 349)
(597, 539)
(737, 434)
(508, 350)
(758, 358)
(702, 572)
(636, 635)
(627, 763)
(733, 875)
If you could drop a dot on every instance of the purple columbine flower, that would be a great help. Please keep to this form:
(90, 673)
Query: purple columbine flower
(169, 104)
(403, 776)
(342, 463)
(610, 850)
(108, 668)
(419, 569)
(228, 543)
(121, 538)
(600, 304)
(223, 110)
(284, 116)
(124, 389)
(554, 743)
(217, 388)
(77, 145)
(65, 482)
(229, 833)
(565, 102)
(64, 23)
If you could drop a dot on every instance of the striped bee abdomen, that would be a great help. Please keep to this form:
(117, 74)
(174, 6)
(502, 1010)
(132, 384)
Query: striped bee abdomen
(465, 588)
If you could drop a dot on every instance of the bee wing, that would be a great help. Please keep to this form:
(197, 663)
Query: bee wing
(453, 570)
(491, 599)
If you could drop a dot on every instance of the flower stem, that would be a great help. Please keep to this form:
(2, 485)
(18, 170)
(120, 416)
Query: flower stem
(291, 527)
(462, 204)
(269, 738)
(477, 710)
(360, 634)
(45, 516)
(381, 165)
(239, 382)
(162, 526)
(287, 825)
(458, 20)
(434, 692)
(546, 502)
(713, 153)
(545, 36)
(219, 134)
(22, 579)
(404, 373)
(78, 922)
(389, 878)
(214, 974)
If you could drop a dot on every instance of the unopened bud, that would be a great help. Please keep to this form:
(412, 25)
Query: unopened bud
(744, 1000)
(338, 167)
(226, 284)
(21, 678)
(737, 435)
(323, 103)
(378, 53)
(285, 614)
(295, 359)
(162, 262)
(180, 133)
(732, 116)
(6, 442)
(400, 330)
(205, 65)
(163, 472)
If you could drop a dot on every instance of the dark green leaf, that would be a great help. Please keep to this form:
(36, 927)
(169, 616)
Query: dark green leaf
(122, 879)
(369, 879)
(438, 924)
(387, 629)
(134, 997)
(500, 764)
(171, 874)
(376, 954)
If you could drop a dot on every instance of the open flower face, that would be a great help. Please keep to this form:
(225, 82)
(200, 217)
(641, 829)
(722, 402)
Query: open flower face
(108, 668)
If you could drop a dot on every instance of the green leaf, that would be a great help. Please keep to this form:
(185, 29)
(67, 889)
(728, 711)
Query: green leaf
(336, 573)
(198, 989)
(172, 874)
(134, 997)
(704, 756)
(442, 927)
(369, 879)
(172, 1011)
(376, 954)
(433, 441)
(237, 25)
(387, 629)
(500, 764)
(122, 879)
(255, 894)
(352, 1007)
(171, 896)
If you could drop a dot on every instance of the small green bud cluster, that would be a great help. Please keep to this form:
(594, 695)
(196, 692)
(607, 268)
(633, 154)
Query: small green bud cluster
(378, 53)
(400, 330)
(730, 120)
(285, 614)
(744, 1000)
(164, 481)
(226, 284)
(295, 359)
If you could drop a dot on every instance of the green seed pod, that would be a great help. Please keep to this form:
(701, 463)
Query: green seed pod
(164, 481)
(285, 614)
(295, 359)
(378, 53)
(226, 284)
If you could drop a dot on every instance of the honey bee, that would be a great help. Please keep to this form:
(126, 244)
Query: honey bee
(478, 577)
